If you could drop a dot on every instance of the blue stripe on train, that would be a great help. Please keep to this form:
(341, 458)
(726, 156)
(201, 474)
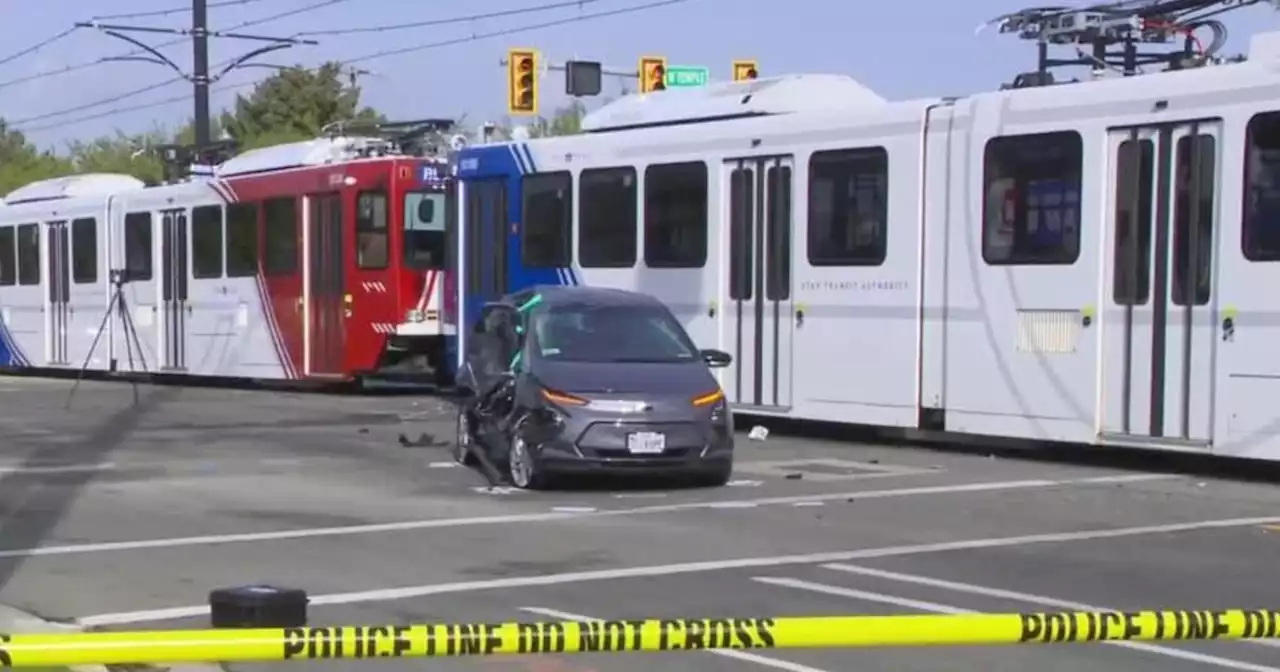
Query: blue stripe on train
(10, 353)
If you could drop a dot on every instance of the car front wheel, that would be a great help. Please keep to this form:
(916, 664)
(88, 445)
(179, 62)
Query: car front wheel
(465, 437)
(522, 466)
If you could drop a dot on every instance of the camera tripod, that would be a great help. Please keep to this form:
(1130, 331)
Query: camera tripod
(116, 306)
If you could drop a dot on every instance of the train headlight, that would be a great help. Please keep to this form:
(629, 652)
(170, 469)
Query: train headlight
(415, 316)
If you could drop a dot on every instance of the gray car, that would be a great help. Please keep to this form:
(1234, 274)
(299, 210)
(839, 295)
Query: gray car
(578, 380)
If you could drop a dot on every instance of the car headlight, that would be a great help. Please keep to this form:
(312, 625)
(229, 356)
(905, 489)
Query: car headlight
(414, 316)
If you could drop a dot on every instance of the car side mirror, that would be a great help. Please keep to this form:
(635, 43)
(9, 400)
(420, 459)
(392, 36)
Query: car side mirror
(716, 359)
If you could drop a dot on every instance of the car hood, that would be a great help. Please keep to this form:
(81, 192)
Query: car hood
(690, 378)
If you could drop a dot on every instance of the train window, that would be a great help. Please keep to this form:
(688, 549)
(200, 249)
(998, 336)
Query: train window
(242, 240)
(778, 228)
(607, 218)
(28, 254)
(1031, 210)
(1134, 163)
(548, 220)
(1193, 218)
(675, 215)
(742, 211)
(371, 230)
(1260, 235)
(84, 250)
(280, 236)
(424, 230)
(137, 245)
(848, 207)
(206, 242)
(8, 257)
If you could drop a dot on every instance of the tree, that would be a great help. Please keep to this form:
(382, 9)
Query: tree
(295, 104)
(127, 154)
(22, 163)
(565, 120)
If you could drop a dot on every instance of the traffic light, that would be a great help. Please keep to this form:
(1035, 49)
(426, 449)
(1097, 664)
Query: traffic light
(744, 70)
(522, 82)
(653, 74)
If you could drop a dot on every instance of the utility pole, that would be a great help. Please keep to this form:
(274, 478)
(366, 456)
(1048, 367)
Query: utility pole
(200, 77)
(200, 63)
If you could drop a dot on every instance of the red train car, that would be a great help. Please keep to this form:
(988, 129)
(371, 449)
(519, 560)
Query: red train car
(364, 294)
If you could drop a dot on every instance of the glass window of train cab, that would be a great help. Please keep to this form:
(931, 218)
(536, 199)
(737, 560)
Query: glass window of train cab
(607, 218)
(424, 230)
(206, 242)
(137, 246)
(280, 236)
(84, 250)
(28, 254)
(8, 257)
(242, 240)
(848, 207)
(1260, 235)
(371, 230)
(675, 215)
(1031, 211)
(547, 216)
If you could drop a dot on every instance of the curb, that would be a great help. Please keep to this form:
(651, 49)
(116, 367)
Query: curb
(17, 621)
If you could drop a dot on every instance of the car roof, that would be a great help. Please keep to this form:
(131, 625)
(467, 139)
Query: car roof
(553, 295)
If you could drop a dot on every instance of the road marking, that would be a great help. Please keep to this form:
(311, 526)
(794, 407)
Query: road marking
(920, 605)
(57, 469)
(775, 663)
(436, 523)
(384, 594)
(998, 593)
(574, 509)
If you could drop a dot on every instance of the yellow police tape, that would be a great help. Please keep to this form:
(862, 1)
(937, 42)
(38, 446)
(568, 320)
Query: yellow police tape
(677, 634)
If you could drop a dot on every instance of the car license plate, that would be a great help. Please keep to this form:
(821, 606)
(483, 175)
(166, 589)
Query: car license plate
(646, 443)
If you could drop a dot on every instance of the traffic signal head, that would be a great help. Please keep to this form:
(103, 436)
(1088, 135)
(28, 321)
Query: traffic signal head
(653, 74)
(522, 82)
(744, 70)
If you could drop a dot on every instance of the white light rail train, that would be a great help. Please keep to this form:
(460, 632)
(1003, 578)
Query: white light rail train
(1095, 262)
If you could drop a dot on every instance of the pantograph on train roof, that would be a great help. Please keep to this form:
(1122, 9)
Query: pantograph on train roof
(347, 141)
(1119, 36)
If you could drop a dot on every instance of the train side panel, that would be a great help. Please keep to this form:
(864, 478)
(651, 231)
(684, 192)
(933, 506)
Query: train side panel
(1020, 361)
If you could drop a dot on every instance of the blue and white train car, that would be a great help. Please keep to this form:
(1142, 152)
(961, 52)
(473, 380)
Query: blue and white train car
(1089, 262)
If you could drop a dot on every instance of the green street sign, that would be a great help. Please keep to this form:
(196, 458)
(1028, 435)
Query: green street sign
(685, 75)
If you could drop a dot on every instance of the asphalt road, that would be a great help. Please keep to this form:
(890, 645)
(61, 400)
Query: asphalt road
(125, 516)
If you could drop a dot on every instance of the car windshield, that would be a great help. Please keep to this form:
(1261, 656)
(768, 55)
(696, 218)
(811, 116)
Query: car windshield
(592, 333)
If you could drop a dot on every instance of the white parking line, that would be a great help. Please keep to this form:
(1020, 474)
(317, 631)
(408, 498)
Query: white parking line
(974, 589)
(775, 663)
(436, 523)
(934, 607)
(405, 592)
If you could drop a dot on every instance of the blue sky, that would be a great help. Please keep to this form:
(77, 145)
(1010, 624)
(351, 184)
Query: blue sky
(900, 48)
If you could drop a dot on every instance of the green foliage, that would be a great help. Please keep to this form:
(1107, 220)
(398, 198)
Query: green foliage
(295, 104)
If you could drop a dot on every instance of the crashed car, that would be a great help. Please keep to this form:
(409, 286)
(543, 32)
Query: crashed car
(577, 380)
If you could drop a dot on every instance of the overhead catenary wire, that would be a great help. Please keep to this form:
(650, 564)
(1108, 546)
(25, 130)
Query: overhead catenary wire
(448, 21)
(137, 52)
(38, 46)
(171, 10)
(366, 57)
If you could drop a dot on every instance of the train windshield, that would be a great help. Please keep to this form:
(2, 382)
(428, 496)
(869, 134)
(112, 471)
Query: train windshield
(424, 236)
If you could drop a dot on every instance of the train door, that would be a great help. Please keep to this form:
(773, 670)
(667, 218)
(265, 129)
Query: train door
(174, 279)
(134, 343)
(483, 250)
(58, 254)
(758, 306)
(326, 307)
(1158, 329)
